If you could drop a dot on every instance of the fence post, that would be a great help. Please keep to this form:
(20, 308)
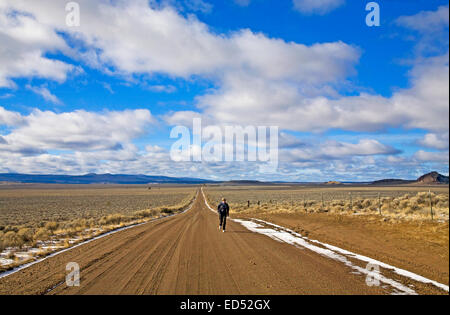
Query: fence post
(431, 204)
(351, 201)
(379, 203)
(248, 203)
(323, 204)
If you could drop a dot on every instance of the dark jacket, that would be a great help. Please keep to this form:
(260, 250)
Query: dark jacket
(223, 209)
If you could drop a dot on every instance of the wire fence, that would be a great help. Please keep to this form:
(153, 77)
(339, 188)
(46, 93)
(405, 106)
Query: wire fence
(408, 203)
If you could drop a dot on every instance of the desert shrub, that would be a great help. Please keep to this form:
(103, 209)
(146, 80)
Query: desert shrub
(366, 203)
(403, 204)
(414, 201)
(9, 228)
(2, 246)
(341, 203)
(422, 198)
(11, 239)
(70, 232)
(26, 234)
(441, 201)
(395, 204)
(167, 211)
(145, 213)
(112, 219)
(358, 205)
(412, 208)
(91, 223)
(51, 226)
(80, 223)
(42, 234)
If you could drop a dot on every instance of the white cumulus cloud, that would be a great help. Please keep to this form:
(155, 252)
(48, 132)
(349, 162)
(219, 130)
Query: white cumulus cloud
(45, 93)
(24, 43)
(80, 130)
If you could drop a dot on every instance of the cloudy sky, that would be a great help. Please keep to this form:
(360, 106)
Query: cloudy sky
(352, 102)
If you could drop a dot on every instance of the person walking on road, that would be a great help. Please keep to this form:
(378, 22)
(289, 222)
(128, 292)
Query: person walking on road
(224, 211)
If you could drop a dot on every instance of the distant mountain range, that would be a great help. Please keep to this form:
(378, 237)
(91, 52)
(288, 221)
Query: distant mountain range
(430, 178)
(433, 178)
(98, 179)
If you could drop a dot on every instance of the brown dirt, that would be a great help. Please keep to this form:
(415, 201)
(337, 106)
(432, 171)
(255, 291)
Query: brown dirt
(186, 254)
(420, 247)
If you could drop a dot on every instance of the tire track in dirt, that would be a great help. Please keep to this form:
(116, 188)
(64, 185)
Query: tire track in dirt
(126, 274)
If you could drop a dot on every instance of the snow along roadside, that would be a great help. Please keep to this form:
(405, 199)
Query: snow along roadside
(288, 236)
(24, 266)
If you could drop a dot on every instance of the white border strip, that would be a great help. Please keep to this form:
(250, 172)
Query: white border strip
(333, 252)
(24, 266)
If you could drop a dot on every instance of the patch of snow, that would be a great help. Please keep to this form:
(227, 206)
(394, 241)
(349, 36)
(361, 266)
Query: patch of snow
(366, 259)
(286, 237)
(6, 261)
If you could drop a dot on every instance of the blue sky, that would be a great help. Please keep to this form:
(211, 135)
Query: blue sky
(352, 102)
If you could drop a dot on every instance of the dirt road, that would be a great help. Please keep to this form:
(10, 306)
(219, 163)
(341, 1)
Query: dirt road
(186, 254)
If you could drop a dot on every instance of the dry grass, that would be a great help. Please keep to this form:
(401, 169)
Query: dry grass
(32, 216)
(393, 203)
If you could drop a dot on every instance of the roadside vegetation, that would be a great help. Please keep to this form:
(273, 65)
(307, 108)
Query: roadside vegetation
(390, 203)
(83, 214)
